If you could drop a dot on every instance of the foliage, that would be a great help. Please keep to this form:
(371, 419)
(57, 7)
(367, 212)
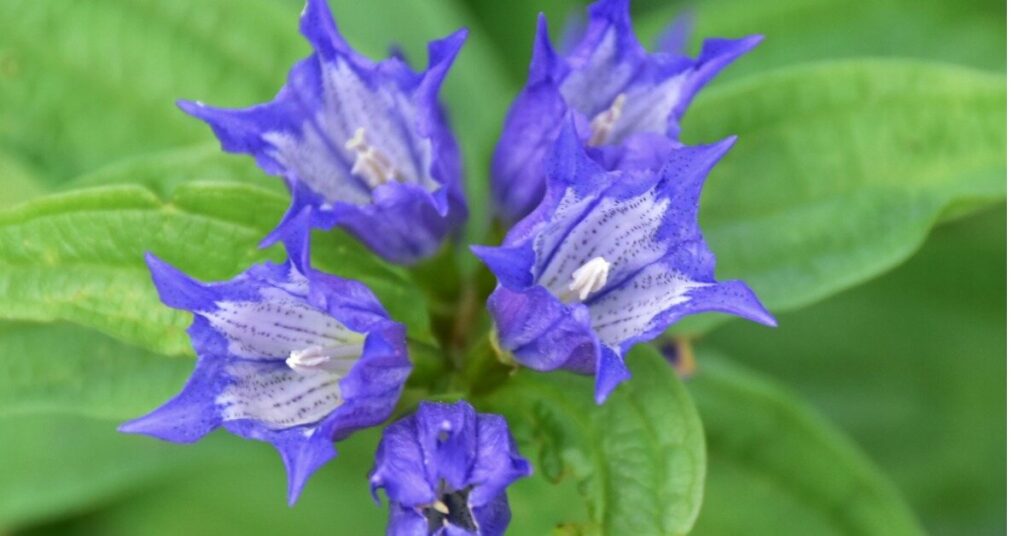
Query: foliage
(877, 407)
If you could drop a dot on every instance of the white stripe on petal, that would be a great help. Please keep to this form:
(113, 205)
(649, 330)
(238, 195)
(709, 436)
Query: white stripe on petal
(627, 311)
(277, 396)
(277, 325)
(387, 118)
(621, 231)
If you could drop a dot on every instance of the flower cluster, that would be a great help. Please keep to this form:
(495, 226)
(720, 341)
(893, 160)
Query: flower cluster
(606, 253)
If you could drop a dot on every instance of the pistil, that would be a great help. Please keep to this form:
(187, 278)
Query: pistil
(371, 164)
(603, 123)
(333, 359)
(587, 280)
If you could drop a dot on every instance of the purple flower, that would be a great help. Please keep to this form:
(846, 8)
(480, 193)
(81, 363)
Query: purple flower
(608, 259)
(618, 95)
(287, 355)
(365, 144)
(445, 470)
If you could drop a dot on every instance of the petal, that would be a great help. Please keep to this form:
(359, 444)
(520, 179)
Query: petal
(274, 325)
(447, 435)
(276, 396)
(511, 265)
(498, 462)
(303, 454)
(611, 371)
(492, 517)
(188, 416)
(403, 521)
(399, 466)
(542, 332)
(531, 127)
(683, 177)
(626, 311)
(605, 61)
(619, 224)
(715, 55)
(403, 225)
(674, 37)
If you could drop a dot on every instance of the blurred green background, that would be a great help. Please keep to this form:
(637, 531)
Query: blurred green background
(893, 332)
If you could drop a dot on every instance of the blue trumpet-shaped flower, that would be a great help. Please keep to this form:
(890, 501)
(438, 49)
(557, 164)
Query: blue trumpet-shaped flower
(607, 260)
(365, 144)
(445, 470)
(625, 102)
(287, 355)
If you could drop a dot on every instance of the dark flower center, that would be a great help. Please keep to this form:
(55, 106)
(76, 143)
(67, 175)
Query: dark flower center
(452, 508)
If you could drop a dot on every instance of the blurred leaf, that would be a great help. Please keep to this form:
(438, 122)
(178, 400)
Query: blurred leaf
(842, 169)
(89, 82)
(78, 257)
(240, 490)
(112, 71)
(163, 171)
(797, 31)
(775, 467)
(639, 459)
(19, 183)
(62, 368)
(913, 365)
(57, 464)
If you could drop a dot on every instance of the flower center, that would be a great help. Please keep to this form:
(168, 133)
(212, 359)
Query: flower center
(603, 123)
(314, 359)
(451, 508)
(371, 164)
(587, 279)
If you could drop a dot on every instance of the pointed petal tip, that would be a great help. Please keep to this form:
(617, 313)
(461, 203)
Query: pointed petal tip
(150, 424)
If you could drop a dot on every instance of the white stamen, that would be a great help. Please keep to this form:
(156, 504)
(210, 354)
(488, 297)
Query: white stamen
(603, 123)
(588, 279)
(440, 507)
(335, 359)
(371, 164)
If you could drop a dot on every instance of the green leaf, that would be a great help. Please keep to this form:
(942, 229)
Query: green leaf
(775, 467)
(797, 31)
(842, 169)
(20, 184)
(89, 82)
(913, 366)
(226, 486)
(62, 465)
(639, 459)
(56, 464)
(66, 369)
(102, 85)
(78, 257)
(163, 171)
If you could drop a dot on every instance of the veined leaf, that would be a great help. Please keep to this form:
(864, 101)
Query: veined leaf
(775, 467)
(843, 168)
(89, 82)
(102, 84)
(78, 257)
(639, 458)
(66, 369)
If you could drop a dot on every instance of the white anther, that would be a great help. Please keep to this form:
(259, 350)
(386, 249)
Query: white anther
(440, 507)
(371, 164)
(588, 279)
(603, 123)
(335, 359)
